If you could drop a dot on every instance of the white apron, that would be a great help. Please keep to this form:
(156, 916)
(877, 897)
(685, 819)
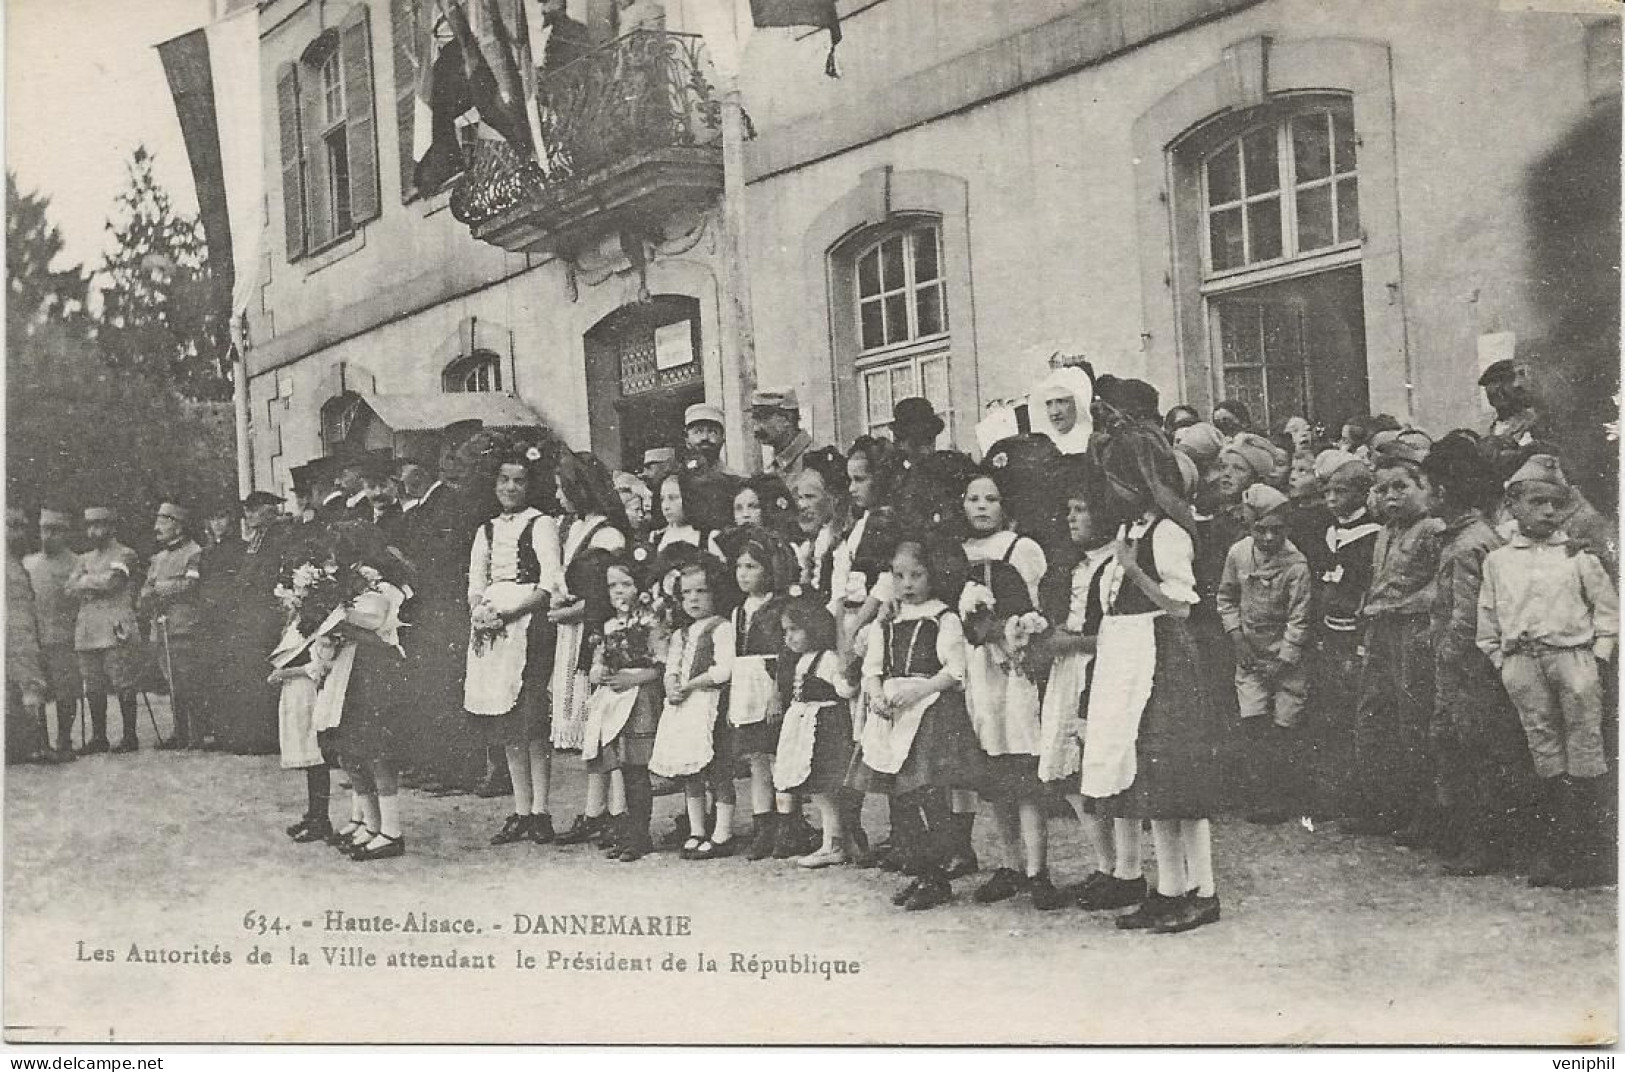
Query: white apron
(792, 762)
(753, 695)
(607, 712)
(683, 743)
(1127, 661)
(1003, 705)
(887, 742)
(1060, 747)
(495, 674)
(296, 727)
(377, 611)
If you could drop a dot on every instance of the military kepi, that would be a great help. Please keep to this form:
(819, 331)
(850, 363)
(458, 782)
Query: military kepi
(1542, 467)
(174, 512)
(100, 513)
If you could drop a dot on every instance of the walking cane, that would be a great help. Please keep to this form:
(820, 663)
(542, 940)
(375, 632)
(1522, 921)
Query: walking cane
(169, 676)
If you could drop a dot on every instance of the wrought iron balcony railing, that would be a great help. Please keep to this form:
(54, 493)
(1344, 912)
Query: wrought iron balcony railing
(641, 95)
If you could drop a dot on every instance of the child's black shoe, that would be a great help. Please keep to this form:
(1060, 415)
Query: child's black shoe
(1005, 884)
(1152, 911)
(581, 831)
(1189, 913)
(1046, 897)
(933, 891)
(515, 827)
(763, 837)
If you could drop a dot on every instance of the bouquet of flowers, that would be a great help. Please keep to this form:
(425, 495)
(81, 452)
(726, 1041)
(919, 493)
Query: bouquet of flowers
(629, 642)
(489, 620)
(1019, 631)
(312, 591)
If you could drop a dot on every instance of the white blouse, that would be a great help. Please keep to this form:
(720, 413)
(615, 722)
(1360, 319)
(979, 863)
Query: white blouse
(684, 647)
(498, 559)
(950, 639)
(1174, 554)
(842, 588)
(1027, 557)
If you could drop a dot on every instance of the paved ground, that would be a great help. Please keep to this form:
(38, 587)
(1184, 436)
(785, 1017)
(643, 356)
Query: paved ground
(1325, 937)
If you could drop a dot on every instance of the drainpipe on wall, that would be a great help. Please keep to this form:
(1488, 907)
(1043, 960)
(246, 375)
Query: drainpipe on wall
(239, 405)
(738, 336)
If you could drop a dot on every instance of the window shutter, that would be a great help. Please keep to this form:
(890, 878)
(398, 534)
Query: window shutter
(293, 160)
(360, 126)
(407, 33)
(313, 124)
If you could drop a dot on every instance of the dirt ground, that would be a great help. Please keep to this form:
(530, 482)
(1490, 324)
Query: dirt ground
(1325, 938)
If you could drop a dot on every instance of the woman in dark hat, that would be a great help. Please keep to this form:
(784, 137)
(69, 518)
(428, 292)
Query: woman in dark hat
(927, 495)
(1149, 752)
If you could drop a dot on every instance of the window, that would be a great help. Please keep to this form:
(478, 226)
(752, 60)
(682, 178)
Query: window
(328, 137)
(900, 296)
(1281, 190)
(1279, 216)
(479, 371)
(902, 324)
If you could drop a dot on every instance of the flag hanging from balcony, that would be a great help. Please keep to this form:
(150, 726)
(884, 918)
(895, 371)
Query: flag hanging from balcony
(819, 13)
(442, 98)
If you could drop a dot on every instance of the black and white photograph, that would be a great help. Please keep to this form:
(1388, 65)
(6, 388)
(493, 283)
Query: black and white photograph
(812, 523)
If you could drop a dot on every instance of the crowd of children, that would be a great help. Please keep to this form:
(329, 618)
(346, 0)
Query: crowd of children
(1114, 620)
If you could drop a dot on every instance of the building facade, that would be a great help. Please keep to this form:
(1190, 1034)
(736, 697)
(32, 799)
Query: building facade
(1314, 207)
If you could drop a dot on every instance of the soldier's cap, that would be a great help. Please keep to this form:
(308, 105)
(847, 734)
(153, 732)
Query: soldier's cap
(659, 455)
(55, 518)
(1502, 371)
(100, 513)
(175, 512)
(778, 401)
(1329, 463)
(1260, 499)
(1544, 468)
(702, 411)
(257, 499)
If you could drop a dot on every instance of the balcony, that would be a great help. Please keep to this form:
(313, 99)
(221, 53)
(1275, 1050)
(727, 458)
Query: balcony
(629, 133)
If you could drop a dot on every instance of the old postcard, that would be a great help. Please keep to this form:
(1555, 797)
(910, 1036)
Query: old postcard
(925, 522)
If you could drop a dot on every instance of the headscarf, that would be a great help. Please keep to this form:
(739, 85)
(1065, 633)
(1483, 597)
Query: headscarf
(1071, 383)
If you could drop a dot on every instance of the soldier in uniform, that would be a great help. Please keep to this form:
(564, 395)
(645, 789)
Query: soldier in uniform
(777, 416)
(169, 604)
(703, 439)
(48, 571)
(27, 734)
(1518, 423)
(106, 632)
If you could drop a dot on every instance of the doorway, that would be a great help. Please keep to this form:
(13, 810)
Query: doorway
(643, 371)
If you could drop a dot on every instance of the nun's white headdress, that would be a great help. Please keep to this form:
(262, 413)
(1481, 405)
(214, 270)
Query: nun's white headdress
(1073, 383)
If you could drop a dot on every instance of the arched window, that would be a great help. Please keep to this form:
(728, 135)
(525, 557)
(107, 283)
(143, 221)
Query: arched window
(479, 371)
(1285, 188)
(900, 306)
(1274, 193)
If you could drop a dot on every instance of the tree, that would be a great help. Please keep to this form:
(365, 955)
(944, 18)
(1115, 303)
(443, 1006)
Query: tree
(77, 430)
(36, 293)
(165, 313)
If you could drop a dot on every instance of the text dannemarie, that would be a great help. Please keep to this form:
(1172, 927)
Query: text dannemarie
(583, 924)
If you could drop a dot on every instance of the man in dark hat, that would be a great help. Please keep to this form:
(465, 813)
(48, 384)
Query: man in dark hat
(1518, 421)
(169, 604)
(349, 497)
(928, 490)
(777, 417)
(436, 535)
(311, 487)
(247, 724)
(106, 632)
(382, 503)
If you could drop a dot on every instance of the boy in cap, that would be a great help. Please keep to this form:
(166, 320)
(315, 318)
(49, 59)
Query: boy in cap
(1348, 541)
(169, 603)
(48, 571)
(1263, 601)
(1546, 618)
(1481, 754)
(106, 630)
